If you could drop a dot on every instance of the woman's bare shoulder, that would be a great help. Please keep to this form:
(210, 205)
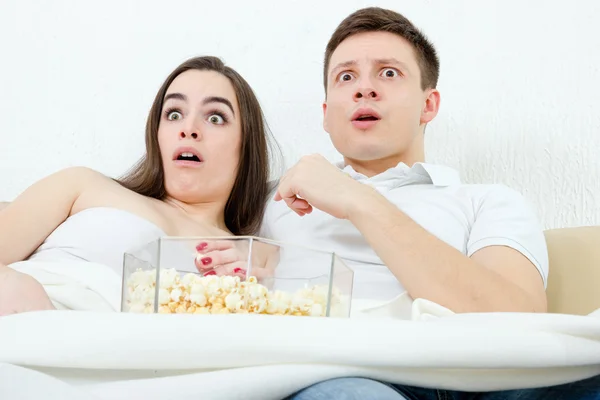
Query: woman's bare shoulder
(100, 190)
(80, 175)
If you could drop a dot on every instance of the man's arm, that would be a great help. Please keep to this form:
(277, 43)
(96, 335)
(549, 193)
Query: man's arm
(3, 205)
(495, 278)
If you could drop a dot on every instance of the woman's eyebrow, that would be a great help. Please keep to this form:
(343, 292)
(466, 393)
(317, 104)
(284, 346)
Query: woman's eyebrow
(218, 99)
(176, 96)
(207, 100)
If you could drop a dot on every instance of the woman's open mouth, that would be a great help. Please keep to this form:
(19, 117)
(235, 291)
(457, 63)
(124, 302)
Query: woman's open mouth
(187, 157)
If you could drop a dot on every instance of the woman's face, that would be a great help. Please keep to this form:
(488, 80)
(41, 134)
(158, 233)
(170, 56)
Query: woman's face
(199, 136)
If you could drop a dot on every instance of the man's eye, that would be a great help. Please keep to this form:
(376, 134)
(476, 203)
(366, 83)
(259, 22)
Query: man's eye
(345, 77)
(389, 73)
(174, 116)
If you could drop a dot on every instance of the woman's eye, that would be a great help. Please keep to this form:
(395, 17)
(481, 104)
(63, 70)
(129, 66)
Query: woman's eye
(345, 77)
(174, 116)
(216, 119)
(390, 73)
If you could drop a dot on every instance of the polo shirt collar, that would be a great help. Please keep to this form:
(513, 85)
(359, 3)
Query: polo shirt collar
(437, 175)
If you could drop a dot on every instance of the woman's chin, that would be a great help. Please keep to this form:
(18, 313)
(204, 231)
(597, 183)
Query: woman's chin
(194, 193)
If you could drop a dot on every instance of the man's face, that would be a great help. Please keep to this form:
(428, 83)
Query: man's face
(375, 107)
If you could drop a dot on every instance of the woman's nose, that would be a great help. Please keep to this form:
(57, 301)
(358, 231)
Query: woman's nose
(192, 135)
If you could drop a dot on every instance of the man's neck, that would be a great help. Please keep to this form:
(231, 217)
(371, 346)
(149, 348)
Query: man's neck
(206, 213)
(370, 168)
(413, 153)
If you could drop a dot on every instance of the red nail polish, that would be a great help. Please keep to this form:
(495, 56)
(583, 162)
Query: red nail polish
(210, 273)
(201, 246)
(239, 270)
(206, 260)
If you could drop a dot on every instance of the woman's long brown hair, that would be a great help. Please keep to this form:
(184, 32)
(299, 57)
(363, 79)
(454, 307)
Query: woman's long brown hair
(245, 207)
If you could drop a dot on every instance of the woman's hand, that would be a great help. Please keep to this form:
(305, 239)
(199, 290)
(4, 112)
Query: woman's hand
(230, 257)
(21, 293)
(223, 257)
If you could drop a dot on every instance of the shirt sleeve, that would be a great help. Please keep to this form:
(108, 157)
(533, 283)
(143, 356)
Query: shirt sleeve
(504, 218)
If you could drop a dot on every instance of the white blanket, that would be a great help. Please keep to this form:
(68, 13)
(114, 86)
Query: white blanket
(100, 355)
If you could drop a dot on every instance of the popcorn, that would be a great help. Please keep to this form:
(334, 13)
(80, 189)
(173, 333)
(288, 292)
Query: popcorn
(168, 277)
(163, 296)
(176, 294)
(316, 310)
(234, 301)
(198, 299)
(194, 294)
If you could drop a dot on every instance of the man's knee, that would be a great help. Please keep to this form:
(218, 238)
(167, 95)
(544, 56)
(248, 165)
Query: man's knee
(348, 389)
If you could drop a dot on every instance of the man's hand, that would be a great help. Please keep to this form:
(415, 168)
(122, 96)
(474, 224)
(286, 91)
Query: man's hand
(315, 182)
(21, 293)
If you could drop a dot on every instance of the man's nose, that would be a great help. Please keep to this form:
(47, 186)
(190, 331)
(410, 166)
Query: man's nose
(366, 92)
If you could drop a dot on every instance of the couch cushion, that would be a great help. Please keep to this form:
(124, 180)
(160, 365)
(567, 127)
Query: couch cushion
(574, 278)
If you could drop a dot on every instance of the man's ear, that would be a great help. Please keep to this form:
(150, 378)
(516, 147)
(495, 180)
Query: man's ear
(325, 116)
(431, 106)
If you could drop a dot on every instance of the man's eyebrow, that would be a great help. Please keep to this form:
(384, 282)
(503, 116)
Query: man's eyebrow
(217, 99)
(391, 61)
(345, 64)
(379, 61)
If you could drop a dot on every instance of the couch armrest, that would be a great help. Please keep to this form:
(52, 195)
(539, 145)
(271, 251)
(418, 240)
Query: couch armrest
(574, 278)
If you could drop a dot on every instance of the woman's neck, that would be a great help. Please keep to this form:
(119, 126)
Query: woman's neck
(206, 213)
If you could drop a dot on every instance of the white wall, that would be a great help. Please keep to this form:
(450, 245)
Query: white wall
(519, 83)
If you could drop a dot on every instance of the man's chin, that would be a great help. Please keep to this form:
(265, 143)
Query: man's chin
(368, 156)
(366, 150)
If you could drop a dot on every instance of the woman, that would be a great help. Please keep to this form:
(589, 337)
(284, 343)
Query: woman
(205, 173)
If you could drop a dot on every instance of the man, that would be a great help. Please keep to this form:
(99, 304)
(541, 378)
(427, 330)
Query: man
(400, 223)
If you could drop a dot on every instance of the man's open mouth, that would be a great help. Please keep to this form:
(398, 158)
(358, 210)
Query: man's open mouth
(365, 114)
(367, 118)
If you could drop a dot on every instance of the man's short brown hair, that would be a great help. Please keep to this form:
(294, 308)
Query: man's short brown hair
(375, 19)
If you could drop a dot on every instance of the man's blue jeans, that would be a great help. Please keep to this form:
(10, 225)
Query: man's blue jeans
(367, 389)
